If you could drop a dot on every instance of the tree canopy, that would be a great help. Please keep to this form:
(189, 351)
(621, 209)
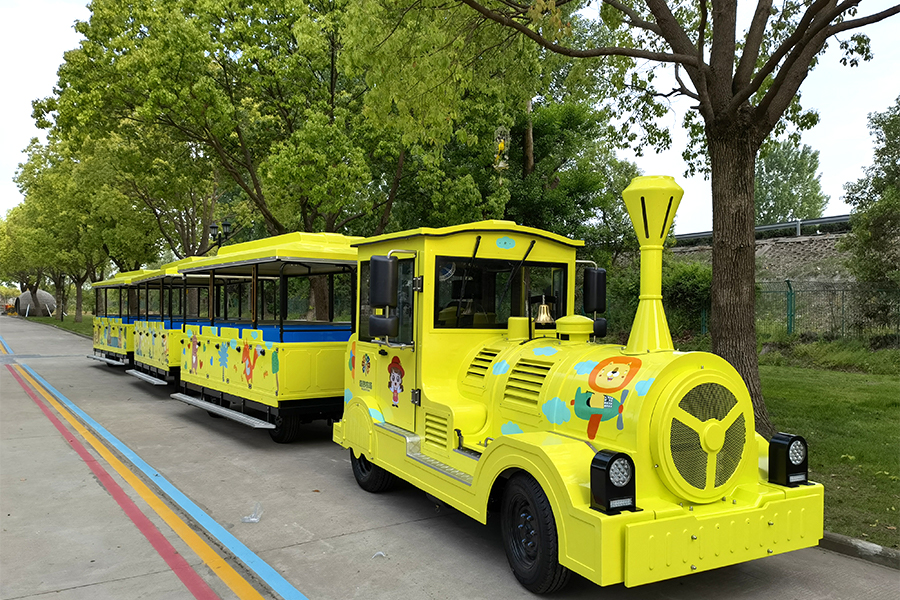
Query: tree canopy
(788, 184)
(874, 241)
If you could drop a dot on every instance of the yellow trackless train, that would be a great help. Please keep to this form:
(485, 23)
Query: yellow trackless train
(454, 359)
(471, 376)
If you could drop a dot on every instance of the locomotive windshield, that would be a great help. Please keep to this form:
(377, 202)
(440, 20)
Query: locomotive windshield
(484, 293)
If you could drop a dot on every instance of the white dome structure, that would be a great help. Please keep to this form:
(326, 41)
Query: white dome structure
(24, 304)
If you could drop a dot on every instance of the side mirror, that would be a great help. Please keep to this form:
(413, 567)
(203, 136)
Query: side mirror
(599, 328)
(594, 290)
(381, 326)
(383, 278)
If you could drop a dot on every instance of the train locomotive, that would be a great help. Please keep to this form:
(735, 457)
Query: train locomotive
(471, 376)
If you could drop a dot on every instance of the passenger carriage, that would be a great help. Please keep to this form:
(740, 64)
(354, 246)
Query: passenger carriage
(471, 376)
(271, 350)
(115, 311)
(167, 303)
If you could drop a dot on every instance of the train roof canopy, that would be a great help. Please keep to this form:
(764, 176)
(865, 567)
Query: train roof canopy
(471, 228)
(168, 271)
(123, 279)
(299, 253)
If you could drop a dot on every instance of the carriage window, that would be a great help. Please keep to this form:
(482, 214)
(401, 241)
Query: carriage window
(485, 293)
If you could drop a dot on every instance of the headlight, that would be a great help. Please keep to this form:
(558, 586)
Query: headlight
(620, 472)
(797, 452)
(612, 482)
(788, 460)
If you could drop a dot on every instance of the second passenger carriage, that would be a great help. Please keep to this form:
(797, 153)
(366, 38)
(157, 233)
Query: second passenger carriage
(285, 301)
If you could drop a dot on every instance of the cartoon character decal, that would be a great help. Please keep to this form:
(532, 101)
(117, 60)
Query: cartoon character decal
(275, 368)
(195, 346)
(395, 381)
(608, 377)
(248, 361)
(165, 349)
(224, 347)
(352, 364)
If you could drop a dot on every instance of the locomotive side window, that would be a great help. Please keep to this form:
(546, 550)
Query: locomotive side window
(405, 302)
(485, 293)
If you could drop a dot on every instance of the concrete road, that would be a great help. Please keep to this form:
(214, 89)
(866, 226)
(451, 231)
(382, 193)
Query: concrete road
(63, 536)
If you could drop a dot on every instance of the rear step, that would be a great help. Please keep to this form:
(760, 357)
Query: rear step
(145, 377)
(109, 361)
(225, 412)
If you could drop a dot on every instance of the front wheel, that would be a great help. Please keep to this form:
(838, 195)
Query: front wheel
(529, 536)
(371, 478)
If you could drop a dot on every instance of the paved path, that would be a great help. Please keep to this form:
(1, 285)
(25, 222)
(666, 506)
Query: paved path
(65, 535)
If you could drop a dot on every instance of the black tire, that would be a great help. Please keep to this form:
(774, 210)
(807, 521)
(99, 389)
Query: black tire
(529, 536)
(287, 429)
(214, 415)
(371, 478)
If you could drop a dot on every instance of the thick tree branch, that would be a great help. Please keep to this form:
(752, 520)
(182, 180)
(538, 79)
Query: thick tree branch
(506, 21)
(701, 31)
(796, 66)
(721, 55)
(752, 44)
(797, 37)
(863, 21)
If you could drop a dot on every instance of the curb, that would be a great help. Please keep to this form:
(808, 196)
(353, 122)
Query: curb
(81, 335)
(886, 557)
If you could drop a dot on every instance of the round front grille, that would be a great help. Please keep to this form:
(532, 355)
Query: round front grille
(707, 436)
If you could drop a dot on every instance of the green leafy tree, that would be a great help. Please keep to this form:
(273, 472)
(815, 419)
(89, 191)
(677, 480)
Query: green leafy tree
(874, 242)
(259, 89)
(745, 85)
(21, 247)
(74, 222)
(788, 185)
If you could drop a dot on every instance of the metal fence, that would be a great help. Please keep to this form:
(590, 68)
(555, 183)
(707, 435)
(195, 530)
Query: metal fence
(825, 309)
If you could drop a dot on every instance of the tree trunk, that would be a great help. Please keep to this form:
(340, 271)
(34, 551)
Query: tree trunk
(529, 143)
(732, 154)
(79, 298)
(318, 295)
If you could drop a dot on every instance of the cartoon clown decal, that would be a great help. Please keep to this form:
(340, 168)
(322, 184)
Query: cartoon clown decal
(395, 381)
(608, 377)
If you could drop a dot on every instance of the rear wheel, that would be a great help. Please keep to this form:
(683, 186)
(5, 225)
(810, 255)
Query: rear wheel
(287, 429)
(371, 478)
(529, 536)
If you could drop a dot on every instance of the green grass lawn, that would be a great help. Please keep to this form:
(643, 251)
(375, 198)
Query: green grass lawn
(86, 326)
(852, 424)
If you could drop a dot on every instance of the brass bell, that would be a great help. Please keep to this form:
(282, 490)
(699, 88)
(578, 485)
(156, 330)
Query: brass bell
(543, 316)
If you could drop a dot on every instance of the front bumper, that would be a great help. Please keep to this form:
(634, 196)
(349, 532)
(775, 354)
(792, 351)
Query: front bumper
(675, 546)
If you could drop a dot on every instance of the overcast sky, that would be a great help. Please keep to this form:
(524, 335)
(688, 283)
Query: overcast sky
(35, 33)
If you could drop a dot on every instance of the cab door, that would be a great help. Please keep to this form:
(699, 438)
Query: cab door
(393, 368)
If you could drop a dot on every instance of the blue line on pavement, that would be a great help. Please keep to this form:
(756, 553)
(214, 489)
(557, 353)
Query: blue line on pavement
(265, 572)
(5, 345)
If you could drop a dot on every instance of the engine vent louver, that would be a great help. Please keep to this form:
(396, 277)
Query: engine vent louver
(436, 431)
(688, 455)
(480, 366)
(523, 387)
(732, 450)
(707, 401)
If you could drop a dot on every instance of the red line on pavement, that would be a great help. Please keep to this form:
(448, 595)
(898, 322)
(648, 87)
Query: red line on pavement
(188, 576)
